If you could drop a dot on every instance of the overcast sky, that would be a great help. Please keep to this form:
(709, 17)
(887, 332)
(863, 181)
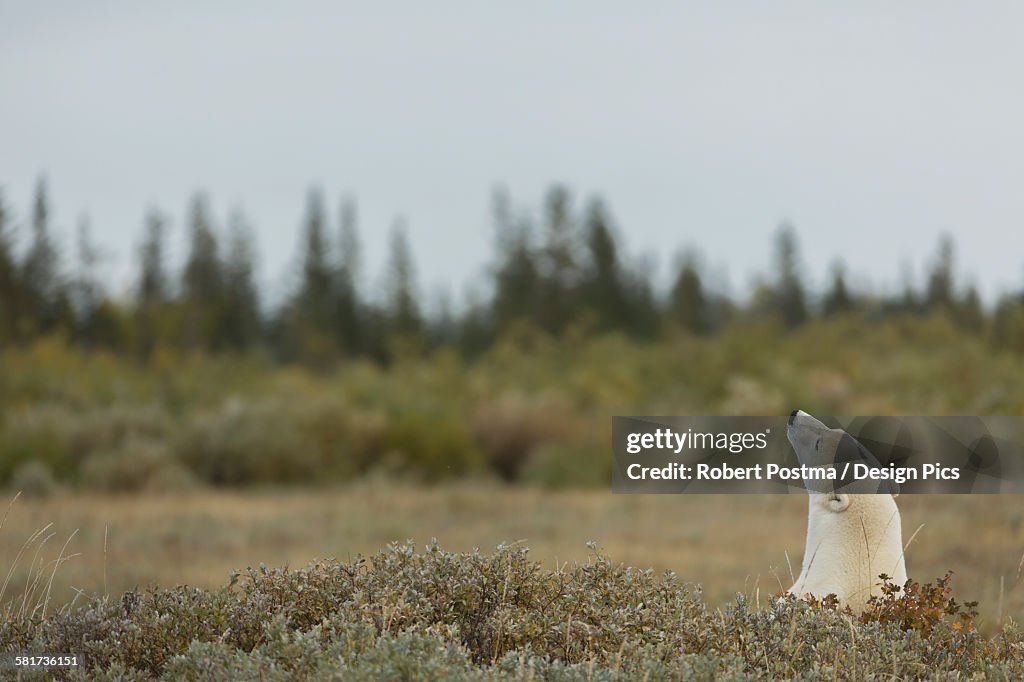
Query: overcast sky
(872, 127)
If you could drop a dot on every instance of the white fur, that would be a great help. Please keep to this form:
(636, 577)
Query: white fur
(851, 538)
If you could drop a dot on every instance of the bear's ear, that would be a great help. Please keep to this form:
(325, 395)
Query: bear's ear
(838, 502)
(850, 451)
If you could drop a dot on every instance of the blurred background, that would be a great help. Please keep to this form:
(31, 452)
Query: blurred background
(278, 283)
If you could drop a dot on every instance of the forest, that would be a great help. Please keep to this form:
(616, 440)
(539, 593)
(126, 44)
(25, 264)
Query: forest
(561, 274)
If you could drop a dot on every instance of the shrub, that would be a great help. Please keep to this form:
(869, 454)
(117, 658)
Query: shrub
(249, 442)
(428, 445)
(509, 429)
(34, 479)
(914, 606)
(403, 614)
(136, 466)
(41, 434)
(559, 465)
(284, 440)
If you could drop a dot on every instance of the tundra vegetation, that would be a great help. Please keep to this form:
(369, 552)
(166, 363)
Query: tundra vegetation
(187, 415)
(433, 614)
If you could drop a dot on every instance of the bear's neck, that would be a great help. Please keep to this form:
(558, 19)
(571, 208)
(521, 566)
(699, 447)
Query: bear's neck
(846, 552)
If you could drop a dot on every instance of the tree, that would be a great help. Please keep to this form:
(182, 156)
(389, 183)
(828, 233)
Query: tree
(153, 276)
(558, 263)
(403, 309)
(688, 304)
(475, 325)
(40, 269)
(240, 317)
(603, 288)
(1008, 322)
(153, 295)
(305, 328)
(202, 279)
(88, 293)
(10, 286)
(969, 312)
(315, 294)
(940, 292)
(837, 300)
(516, 277)
(346, 298)
(789, 289)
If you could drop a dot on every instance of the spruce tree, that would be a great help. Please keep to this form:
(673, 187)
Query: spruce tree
(516, 277)
(202, 279)
(789, 288)
(40, 269)
(838, 299)
(240, 316)
(346, 298)
(688, 304)
(87, 291)
(941, 292)
(315, 294)
(153, 293)
(558, 264)
(403, 310)
(152, 286)
(10, 290)
(603, 287)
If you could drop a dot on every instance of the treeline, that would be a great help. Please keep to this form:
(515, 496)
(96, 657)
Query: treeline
(564, 271)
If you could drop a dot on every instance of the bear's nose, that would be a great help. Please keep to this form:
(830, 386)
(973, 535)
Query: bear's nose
(792, 416)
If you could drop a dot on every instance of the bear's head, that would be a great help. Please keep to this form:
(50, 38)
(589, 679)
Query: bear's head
(817, 445)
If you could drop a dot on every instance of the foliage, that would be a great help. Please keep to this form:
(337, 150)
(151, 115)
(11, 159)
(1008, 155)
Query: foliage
(531, 408)
(565, 272)
(914, 606)
(403, 614)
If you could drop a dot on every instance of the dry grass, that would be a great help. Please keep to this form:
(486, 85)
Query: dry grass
(726, 543)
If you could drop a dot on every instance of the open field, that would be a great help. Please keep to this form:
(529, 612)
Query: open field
(725, 543)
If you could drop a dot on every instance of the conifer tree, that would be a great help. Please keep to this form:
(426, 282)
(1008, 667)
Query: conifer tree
(941, 292)
(837, 299)
(558, 263)
(688, 304)
(516, 278)
(315, 294)
(240, 317)
(789, 291)
(403, 309)
(153, 295)
(346, 297)
(152, 287)
(202, 279)
(10, 293)
(40, 269)
(603, 286)
(87, 292)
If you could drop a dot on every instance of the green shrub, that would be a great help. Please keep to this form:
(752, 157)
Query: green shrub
(137, 465)
(39, 434)
(249, 443)
(428, 445)
(559, 465)
(282, 440)
(529, 407)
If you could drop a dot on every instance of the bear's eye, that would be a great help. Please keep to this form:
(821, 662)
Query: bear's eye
(817, 443)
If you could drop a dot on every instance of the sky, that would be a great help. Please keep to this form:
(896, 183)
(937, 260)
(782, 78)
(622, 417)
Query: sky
(871, 127)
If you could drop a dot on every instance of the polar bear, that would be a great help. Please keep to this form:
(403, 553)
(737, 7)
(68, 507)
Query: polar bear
(854, 530)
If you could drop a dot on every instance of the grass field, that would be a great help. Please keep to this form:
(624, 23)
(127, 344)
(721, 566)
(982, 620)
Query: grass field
(725, 543)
